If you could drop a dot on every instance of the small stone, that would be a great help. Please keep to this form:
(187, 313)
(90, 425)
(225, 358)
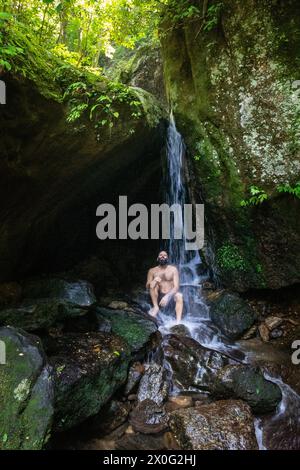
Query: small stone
(250, 333)
(276, 333)
(182, 401)
(132, 397)
(273, 322)
(129, 430)
(118, 305)
(264, 332)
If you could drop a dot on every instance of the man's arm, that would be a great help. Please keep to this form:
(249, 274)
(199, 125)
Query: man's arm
(149, 278)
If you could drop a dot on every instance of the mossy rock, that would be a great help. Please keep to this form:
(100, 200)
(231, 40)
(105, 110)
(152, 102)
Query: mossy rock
(26, 393)
(88, 369)
(232, 314)
(136, 330)
(248, 384)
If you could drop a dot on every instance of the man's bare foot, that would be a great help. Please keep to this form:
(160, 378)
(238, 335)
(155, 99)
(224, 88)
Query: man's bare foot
(154, 311)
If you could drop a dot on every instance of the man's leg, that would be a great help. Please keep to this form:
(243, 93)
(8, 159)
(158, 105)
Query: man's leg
(154, 297)
(179, 306)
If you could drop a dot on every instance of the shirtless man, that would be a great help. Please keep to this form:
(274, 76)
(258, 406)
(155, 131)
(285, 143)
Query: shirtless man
(163, 282)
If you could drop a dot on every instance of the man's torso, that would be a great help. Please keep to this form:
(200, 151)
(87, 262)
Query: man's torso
(167, 276)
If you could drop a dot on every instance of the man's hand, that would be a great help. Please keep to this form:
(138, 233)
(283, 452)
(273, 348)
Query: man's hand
(164, 300)
(155, 281)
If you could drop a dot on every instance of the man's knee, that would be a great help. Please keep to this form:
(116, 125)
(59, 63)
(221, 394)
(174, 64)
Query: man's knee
(178, 297)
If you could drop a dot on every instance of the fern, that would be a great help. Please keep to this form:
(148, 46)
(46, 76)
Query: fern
(288, 189)
(258, 196)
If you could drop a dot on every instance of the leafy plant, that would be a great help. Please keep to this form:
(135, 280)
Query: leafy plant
(76, 112)
(8, 50)
(257, 197)
(213, 16)
(288, 189)
(103, 108)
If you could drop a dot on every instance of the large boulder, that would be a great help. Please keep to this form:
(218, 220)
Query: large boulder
(192, 365)
(154, 384)
(139, 332)
(148, 417)
(248, 383)
(26, 392)
(88, 369)
(232, 315)
(47, 301)
(223, 425)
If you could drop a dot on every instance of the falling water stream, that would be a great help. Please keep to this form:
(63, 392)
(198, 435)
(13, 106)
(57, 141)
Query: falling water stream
(282, 429)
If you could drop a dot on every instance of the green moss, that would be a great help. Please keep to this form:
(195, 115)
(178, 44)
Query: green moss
(26, 417)
(229, 257)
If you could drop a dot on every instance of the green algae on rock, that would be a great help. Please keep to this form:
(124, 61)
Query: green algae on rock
(26, 389)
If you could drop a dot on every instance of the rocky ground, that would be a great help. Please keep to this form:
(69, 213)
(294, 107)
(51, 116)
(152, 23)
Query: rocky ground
(95, 373)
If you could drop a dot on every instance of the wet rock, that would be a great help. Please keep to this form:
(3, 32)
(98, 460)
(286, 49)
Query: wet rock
(180, 330)
(80, 292)
(134, 376)
(248, 383)
(223, 425)
(149, 418)
(88, 369)
(232, 315)
(192, 365)
(26, 391)
(154, 384)
(273, 322)
(264, 332)
(135, 329)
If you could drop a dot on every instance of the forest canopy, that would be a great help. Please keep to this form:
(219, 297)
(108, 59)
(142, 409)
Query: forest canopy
(79, 31)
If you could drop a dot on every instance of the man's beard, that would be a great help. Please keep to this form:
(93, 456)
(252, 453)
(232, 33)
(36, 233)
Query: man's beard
(163, 262)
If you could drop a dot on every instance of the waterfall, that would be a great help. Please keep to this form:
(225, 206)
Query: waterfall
(186, 261)
(196, 312)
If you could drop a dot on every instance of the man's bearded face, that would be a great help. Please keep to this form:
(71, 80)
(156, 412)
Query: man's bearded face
(163, 258)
